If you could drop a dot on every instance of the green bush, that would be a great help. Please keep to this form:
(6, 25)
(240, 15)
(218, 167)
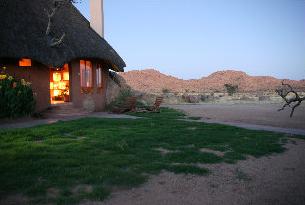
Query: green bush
(16, 97)
(165, 90)
(120, 99)
(231, 89)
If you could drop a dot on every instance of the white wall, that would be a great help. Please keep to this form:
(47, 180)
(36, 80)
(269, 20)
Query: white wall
(97, 16)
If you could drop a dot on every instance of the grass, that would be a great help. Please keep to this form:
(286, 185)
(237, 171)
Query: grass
(117, 153)
(194, 118)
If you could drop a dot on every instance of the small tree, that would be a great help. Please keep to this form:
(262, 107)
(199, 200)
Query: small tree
(231, 89)
(290, 96)
(165, 90)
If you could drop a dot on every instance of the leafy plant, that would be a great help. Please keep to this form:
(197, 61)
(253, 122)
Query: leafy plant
(16, 96)
(121, 98)
(231, 89)
(165, 90)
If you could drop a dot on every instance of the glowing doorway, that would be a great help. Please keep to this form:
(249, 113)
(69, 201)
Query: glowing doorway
(60, 85)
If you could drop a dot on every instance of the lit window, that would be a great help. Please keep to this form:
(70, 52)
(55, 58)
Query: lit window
(99, 77)
(66, 76)
(62, 85)
(56, 92)
(66, 72)
(85, 74)
(56, 77)
(25, 62)
(51, 85)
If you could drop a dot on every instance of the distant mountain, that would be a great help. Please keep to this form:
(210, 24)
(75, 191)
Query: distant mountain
(152, 81)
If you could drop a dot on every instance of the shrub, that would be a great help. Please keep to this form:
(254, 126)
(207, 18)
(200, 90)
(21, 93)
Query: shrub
(121, 98)
(16, 97)
(206, 98)
(124, 93)
(246, 98)
(191, 98)
(264, 98)
(231, 89)
(165, 90)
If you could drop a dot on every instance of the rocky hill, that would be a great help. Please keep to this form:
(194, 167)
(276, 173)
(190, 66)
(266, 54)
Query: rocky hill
(152, 81)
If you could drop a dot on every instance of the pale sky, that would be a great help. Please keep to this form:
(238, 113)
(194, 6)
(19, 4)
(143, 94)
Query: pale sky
(194, 38)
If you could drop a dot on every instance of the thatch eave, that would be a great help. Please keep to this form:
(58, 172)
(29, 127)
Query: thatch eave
(22, 34)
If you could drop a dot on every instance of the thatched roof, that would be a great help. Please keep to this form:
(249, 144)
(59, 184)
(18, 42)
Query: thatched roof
(22, 34)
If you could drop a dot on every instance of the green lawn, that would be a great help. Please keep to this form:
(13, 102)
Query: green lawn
(88, 158)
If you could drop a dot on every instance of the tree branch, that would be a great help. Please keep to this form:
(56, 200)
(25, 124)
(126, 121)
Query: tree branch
(50, 16)
(284, 94)
(56, 5)
(57, 41)
(292, 110)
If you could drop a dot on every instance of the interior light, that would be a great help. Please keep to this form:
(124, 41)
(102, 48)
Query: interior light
(25, 62)
(51, 85)
(62, 85)
(56, 77)
(56, 92)
(66, 75)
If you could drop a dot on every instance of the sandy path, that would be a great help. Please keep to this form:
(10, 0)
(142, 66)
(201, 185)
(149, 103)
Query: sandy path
(256, 114)
(277, 179)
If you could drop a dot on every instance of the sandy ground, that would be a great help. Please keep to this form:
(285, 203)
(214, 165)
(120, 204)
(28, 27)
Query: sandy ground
(277, 179)
(257, 114)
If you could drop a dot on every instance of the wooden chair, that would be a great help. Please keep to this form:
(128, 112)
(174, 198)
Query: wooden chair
(156, 106)
(128, 106)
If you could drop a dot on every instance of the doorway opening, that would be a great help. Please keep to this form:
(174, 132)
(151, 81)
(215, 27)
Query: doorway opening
(60, 85)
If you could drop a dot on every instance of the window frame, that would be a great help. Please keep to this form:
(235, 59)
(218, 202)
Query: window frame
(86, 77)
(86, 71)
(99, 76)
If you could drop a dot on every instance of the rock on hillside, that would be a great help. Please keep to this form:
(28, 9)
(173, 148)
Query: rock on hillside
(152, 81)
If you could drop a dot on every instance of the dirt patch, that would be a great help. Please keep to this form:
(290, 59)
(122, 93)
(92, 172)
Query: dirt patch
(255, 113)
(53, 193)
(218, 153)
(277, 179)
(164, 151)
(38, 141)
(82, 188)
(191, 128)
(15, 200)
